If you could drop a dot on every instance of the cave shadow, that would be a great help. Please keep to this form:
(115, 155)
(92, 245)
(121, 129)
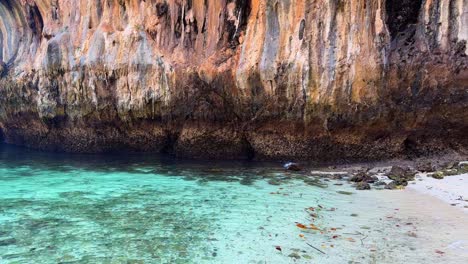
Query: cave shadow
(401, 15)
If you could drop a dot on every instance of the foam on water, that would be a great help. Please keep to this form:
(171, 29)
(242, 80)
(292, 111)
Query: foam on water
(133, 209)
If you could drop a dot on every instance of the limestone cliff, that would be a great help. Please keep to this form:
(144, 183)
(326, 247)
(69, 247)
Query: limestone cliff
(310, 79)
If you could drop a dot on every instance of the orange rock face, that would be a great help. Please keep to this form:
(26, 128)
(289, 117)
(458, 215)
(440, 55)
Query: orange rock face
(308, 79)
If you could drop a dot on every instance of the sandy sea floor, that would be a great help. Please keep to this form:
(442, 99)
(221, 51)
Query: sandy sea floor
(125, 209)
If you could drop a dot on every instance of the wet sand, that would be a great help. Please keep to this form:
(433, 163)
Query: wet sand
(439, 230)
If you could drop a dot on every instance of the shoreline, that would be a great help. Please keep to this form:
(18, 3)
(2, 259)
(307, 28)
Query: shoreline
(452, 190)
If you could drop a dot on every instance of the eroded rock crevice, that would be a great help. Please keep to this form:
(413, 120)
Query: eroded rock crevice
(402, 14)
(35, 21)
(2, 136)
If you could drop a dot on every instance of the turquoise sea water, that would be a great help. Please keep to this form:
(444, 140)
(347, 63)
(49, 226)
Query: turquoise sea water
(57, 208)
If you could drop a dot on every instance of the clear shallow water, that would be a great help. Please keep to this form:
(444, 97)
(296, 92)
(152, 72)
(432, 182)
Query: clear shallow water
(57, 208)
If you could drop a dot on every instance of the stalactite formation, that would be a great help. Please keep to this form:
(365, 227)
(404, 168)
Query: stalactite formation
(364, 79)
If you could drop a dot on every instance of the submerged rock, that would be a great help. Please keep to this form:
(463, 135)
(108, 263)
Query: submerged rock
(345, 192)
(380, 183)
(329, 174)
(294, 255)
(7, 242)
(315, 182)
(274, 182)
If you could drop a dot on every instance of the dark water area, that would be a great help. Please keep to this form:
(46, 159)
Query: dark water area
(14, 156)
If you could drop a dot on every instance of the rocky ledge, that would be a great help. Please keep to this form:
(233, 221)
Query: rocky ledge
(324, 80)
(386, 176)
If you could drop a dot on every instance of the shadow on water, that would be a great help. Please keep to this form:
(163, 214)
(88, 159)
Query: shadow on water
(243, 171)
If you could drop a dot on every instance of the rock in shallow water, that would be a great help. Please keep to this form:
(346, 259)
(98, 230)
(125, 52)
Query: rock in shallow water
(364, 177)
(392, 186)
(401, 176)
(362, 186)
(292, 166)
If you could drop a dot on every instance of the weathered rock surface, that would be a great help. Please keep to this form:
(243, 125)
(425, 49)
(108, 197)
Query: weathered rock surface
(401, 176)
(361, 186)
(364, 79)
(364, 177)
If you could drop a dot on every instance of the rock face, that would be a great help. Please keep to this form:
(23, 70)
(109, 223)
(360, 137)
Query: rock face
(308, 79)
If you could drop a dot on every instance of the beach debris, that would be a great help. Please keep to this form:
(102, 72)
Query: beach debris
(278, 248)
(301, 226)
(439, 252)
(305, 227)
(362, 240)
(292, 166)
(316, 249)
(313, 215)
(313, 227)
(345, 192)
